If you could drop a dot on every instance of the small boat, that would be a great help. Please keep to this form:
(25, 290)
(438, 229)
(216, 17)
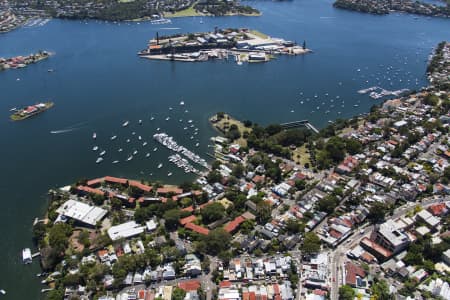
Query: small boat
(115, 162)
(170, 108)
(128, 140)
(196, 145)
(154, 149)
(95, 148)
(94, 135)
(355, 105)
(139, 138)
(99, 160)
(125, 124)
(3, 292)
(144, 144)
(147, 155)
(130, 158)
(169, 174)
(102, 153)
(158, 129)
(152, 118)
(50, 70)
(13, 109)
(181, 102)
(113, 137)
(120, 150)
(160, 166)
(135, 152)
(168, 118)
(190, 121)
(133, 133)
(26, 256)
(140, 122)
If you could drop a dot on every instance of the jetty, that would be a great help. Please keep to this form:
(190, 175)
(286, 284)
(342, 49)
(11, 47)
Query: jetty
(302, 123)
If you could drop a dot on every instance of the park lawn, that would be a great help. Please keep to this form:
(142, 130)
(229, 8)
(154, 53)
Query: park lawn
(304, 155)
(227, 121)
(188, 12)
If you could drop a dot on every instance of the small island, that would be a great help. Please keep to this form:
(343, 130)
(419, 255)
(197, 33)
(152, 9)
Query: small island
(382, 7)
(30, 111)
(243, 44)
(22, 61)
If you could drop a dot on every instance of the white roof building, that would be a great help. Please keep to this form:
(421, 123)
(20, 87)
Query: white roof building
(125, 230)
(82, 212)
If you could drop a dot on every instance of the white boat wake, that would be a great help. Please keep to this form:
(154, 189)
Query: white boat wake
(70, 128)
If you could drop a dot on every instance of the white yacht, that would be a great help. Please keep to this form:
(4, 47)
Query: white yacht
(160, 166)
(113, 137)
(95, 148)
(102, 153)
(99, 160)
(125, 124)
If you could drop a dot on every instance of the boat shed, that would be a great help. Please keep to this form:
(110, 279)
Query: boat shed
(82, 212)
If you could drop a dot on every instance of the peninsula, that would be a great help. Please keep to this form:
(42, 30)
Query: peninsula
(112, 10)
(22, 61)
(243, 44)
(357, 210)
(382, 7)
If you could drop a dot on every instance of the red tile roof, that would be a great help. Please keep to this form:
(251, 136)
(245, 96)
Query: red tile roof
(245, 296)
(225, 284)
(90, 190)
(438, 209)
(352, 271)
(252, 296)
(196, 228)
(166, 190)
(95, 181)
(140, 186)
(232, 225)
(189, 209)
(376, 247)
(186, 220)
(141, 294)
(191, 285)
(115, 180)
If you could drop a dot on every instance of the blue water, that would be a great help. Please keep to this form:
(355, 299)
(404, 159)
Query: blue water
(99, 82)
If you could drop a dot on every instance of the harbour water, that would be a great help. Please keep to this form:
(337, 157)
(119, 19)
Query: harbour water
(99, 82)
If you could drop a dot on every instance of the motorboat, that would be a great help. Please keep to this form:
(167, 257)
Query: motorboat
(125, 124)
(95, 148)
(113, 137)
(115, 162)
(94, 135)
(102, 153)
(160, 166)
(130, 158)
(99, 160)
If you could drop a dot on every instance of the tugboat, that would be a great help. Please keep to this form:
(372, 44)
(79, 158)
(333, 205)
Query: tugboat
(30, 111)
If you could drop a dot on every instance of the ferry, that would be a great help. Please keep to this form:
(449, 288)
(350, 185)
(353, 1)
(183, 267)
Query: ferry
(125, 124)
(94, 135)
(99, 160)
(102, 153)
(113, 137)
(95, 148)
(30, 111)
